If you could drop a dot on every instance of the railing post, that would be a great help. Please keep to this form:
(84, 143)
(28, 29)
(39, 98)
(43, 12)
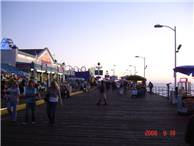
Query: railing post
(158, 90)
(161, 91)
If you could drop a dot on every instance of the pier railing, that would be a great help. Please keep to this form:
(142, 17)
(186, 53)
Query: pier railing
(164, 91)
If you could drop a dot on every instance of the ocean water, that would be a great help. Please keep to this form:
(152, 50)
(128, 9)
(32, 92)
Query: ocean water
(161, 88)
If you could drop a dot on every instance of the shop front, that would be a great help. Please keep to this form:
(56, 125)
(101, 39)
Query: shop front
(38, 63)
(41, 67)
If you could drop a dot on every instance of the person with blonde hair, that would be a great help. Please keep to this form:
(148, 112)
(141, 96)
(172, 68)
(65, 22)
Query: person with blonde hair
(53, 97)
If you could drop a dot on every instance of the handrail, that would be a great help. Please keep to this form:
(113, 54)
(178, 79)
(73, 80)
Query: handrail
(163, 91)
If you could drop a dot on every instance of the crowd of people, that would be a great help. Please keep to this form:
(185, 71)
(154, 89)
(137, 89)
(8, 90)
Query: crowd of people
(120, 87)
(16, 90)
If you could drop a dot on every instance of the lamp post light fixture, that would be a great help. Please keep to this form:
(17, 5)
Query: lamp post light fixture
(98, 67)
(63, 65)
(144, 64)
(176, 50)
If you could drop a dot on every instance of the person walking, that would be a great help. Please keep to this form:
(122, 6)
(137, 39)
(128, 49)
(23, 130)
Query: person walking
(22, 86)
(53, 95)
(107, 83)
(168, 90)
(13, 93)
(150, 85)
(30, 95)
(103, 91)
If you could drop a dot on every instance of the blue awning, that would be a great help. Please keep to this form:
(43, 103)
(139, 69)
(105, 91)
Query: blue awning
(85, 75)
(12, 69)
(188, 69)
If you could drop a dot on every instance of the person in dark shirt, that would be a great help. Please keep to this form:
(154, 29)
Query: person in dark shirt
(103, 91)
(150, 85)
(22, 86)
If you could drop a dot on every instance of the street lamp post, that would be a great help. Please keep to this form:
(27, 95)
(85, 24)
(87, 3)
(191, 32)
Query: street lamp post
(134, 68)
(98, 67)
(176, 50)
(144, 64)
(113, 69)
(63, 66)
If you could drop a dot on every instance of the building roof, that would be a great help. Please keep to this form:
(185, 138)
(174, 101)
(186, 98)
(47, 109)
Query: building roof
(36, 52)
(32, 51)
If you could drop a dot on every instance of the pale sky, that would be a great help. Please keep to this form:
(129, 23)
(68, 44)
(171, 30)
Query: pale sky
(83, 33)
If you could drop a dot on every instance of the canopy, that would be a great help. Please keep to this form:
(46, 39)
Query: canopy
(135, 78)
(188, 70)
(11, 69)
(83, 74)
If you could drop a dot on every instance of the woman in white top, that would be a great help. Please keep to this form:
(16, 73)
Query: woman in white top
(53, 96)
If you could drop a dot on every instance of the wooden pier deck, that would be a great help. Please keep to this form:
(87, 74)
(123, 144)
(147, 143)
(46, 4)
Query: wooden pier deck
(80, 122)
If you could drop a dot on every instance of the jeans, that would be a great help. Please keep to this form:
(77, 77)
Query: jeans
(11, 107)
(51, 110)
(30, 106)
(102, 96)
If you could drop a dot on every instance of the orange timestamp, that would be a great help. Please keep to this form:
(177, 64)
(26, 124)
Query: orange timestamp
(163, 133)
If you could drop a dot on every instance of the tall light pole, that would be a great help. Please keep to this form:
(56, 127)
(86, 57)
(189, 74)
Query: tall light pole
(144, 64)
(176, 50)
(63, 65)
(113, 69)
(134, 68)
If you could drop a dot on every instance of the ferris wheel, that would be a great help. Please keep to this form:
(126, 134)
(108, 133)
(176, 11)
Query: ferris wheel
(7, 43)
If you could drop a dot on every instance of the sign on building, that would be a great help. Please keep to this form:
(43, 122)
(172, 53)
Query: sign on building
(98, 72)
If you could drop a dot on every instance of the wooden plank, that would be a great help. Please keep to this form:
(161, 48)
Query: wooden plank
(81, 122)
(4, 111)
